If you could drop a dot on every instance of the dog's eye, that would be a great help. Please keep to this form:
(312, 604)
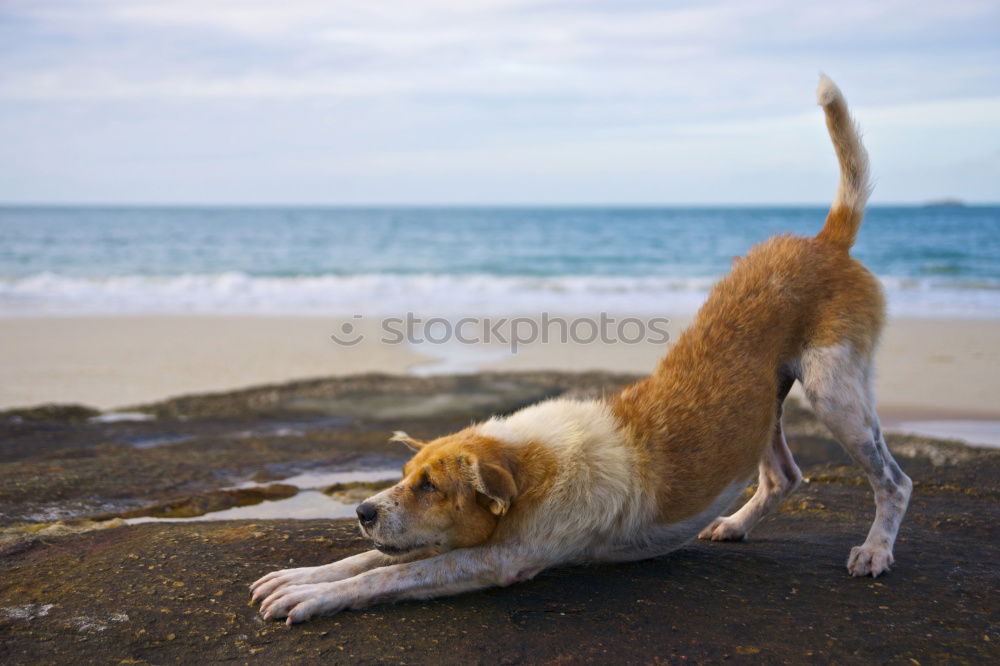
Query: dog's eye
(427, 486)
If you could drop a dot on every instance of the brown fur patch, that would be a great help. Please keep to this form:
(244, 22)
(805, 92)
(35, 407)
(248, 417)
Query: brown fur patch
(704, 418)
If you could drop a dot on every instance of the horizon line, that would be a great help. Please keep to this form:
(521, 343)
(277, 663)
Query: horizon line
(932, 203)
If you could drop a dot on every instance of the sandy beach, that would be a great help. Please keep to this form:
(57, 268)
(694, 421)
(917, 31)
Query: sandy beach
(108, 362)
(930, 370)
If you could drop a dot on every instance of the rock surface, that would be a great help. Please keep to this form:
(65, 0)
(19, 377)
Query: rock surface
(170, 592)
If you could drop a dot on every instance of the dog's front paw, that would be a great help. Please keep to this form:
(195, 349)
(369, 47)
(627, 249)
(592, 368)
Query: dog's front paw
(276, 580)
(865, 560)
(724, 529)
(298, 603)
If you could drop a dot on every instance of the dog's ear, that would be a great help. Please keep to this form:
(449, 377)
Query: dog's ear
(413, 444)
(496, 484)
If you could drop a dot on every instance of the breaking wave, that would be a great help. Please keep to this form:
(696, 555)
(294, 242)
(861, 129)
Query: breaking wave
(444, 295)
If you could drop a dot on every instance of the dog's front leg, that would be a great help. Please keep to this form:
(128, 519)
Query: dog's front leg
(451, 573)
(328, 573)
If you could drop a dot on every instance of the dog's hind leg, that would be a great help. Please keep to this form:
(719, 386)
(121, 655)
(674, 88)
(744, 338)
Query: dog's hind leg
(778, 476)
(837, 382)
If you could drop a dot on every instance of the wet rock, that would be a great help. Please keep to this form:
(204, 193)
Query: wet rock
(382, 397)
(64, 527)
(50, 412)
(18, 538)
(356, 491)
(177, 592)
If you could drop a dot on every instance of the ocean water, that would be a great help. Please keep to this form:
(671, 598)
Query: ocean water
(933, 261)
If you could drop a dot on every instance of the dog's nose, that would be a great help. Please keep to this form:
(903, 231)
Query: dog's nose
(367, 514)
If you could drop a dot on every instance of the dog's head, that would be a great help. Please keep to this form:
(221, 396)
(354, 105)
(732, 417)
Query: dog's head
(454, 491)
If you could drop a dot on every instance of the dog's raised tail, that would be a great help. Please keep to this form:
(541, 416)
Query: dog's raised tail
(848, 207)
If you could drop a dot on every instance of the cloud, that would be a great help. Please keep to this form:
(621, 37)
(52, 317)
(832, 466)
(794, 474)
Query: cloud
(482, 87)
(137, 48)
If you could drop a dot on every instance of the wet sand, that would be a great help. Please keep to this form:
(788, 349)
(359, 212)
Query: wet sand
(932, 373)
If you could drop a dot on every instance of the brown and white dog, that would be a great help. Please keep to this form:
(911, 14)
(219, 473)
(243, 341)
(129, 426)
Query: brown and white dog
(637, 475)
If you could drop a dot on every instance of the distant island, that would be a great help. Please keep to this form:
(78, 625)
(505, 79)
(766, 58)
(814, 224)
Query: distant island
(945, 203)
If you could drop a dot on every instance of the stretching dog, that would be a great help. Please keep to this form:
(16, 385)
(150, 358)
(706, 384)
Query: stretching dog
(636, 476)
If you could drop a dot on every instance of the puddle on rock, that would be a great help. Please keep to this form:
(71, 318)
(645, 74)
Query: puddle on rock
(311, 502)
(315, 479)
(299, 428)
(121, 417)
(971, 431)
(306, 505)
(150, 441)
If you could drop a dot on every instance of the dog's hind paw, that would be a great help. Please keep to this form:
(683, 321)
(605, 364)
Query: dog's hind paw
(724, 529)
(865, 560)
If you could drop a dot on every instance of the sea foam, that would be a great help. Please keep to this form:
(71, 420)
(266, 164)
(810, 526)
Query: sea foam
(382, 294)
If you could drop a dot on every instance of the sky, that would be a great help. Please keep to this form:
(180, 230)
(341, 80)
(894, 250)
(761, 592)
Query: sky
(491, 101)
